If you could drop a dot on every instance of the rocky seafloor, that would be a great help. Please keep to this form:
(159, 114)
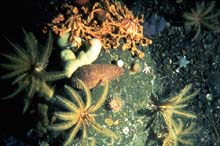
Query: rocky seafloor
(171, 62)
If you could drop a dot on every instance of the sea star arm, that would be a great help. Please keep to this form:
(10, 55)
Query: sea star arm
(184, 113)
(179, 96)
(87, 92)
(31, 43)
(101, 100)
(44, 56)
(61, 126)
(74, 95)
(20, 52)
(66, 103)
(84, 135)
(66, 116)
(72, 133)
(104, 131)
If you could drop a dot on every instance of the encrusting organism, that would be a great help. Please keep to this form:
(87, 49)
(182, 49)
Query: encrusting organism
(135, 67)
(203, 16)
(96, 74)
(28, 67)
(80, 114)
(115, 104)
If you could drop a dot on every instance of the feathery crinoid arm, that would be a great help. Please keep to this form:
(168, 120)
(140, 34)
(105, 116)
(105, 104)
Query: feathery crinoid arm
(176, 99)
(182, 132)
(13, 59)
(176, 104)
(31, 45)
(66, 103)
(17, 91)
(102, 130)
(21, 53)
(16, 64)
(184, 113)
(74, 96)
(206, 10)
(101, 100)
(67, 116)
(87, 92)
(93, 142)
(72, 134)
(84, 134)
(170, 139)
(14, 73)
(189, 97)
(179, 133)
(62, 126)
(53, 76)
(46, 50)
(12, 66)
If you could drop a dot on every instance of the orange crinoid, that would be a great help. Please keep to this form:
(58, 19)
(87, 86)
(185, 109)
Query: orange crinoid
(110, 22)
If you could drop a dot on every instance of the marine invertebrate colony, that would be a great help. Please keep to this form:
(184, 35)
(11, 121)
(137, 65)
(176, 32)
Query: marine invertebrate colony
(129, 27)
(72, 22)
(119, 26)
(202, 16)
(80, 115)
(28, 68)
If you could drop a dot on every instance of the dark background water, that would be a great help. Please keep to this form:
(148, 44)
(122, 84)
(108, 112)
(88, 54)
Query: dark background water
(15, 15)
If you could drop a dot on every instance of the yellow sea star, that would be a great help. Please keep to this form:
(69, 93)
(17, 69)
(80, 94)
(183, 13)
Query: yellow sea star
(80, 115)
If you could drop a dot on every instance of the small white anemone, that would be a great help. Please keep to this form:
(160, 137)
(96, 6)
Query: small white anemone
(125, 130)
(120, 63)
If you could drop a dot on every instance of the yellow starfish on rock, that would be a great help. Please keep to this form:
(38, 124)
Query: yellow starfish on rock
(80, 115)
